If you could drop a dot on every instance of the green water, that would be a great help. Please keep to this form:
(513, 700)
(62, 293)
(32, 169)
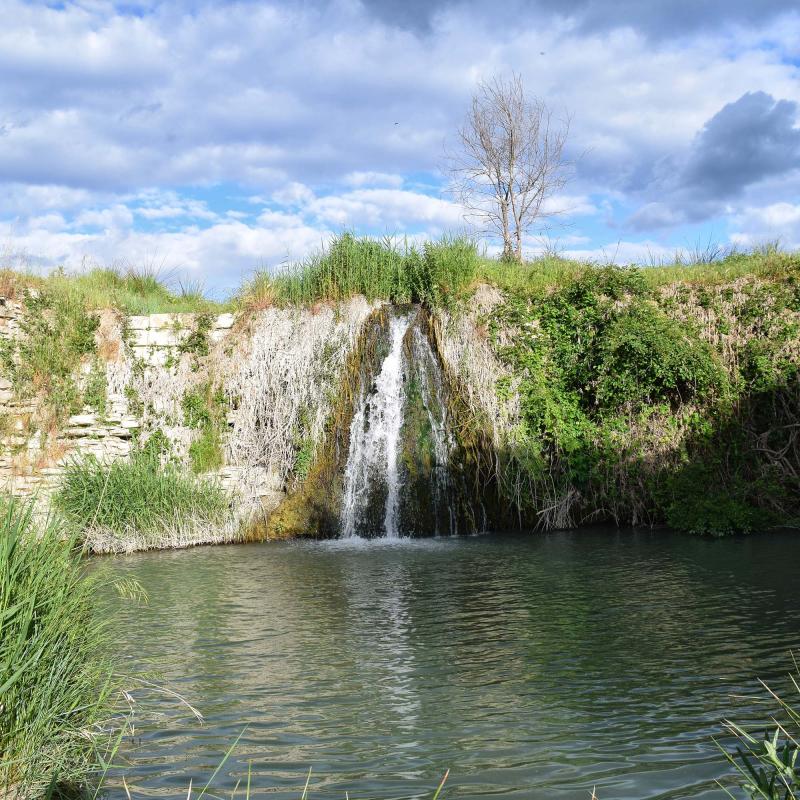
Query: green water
(531, 667)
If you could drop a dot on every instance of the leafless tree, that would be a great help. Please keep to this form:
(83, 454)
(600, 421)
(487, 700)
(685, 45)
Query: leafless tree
(510, 161)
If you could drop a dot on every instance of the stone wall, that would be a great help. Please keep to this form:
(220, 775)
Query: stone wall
(278, 369)
(32, 463)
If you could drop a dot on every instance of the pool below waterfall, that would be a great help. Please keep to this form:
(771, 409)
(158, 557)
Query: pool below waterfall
(530, 666)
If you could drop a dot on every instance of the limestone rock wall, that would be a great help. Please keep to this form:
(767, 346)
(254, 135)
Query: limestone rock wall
(278, 370)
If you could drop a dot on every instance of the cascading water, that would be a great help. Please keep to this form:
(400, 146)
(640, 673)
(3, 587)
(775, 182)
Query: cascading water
(374, 443)
(398, 479)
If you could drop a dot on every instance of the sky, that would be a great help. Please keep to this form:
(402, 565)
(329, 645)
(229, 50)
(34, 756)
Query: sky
(208, 139)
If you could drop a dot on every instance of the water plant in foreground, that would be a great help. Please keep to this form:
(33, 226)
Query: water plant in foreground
(57, 686)
(769, 765)
(141, 503)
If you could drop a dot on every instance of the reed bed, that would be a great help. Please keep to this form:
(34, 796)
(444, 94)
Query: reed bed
(384, 269)
(142, 503)
(57, 691)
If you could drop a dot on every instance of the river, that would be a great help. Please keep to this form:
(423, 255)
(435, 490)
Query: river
(534, 666)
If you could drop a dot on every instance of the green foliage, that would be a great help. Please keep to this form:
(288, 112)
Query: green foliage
(57, 333)
(645, 357)
(304, 459)
(699, 502)
(607, 371)
(56, 684)
(383, 269)
(204, 410)
(142, 494)
(197, 342)
(769, 765)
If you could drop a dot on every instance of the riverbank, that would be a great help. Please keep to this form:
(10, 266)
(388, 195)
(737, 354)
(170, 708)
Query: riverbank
(572, 393)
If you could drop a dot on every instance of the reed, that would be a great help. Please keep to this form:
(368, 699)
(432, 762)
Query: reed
(138, 500)
(768, 765)
(57, 690)
(385, 269)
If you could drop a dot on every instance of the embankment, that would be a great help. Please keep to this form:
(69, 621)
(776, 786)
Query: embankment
(516, 398)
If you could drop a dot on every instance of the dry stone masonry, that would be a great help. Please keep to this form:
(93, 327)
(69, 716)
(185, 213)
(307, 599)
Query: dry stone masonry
(278, 370)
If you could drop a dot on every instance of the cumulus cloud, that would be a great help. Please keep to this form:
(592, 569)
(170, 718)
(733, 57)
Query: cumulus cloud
(750, 140)
(175, 113)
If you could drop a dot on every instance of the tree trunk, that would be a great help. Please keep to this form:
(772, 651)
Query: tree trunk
(508, 247)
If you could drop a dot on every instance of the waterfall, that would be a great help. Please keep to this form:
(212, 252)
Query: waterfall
(399, 478)
(374, 442)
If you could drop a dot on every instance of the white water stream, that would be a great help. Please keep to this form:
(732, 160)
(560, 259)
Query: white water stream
(372, 459)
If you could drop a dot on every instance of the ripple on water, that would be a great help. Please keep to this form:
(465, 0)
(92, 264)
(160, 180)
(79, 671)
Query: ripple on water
(535, 666)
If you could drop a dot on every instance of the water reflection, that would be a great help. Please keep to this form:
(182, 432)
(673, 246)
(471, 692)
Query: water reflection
(532, 666)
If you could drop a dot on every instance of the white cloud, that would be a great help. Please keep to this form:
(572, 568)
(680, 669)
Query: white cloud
(98, 107)
(776, 221)
(372, 179)
(293, 194)
(393, 209)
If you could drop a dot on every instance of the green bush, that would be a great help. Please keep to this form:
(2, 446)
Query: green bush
(141, 495)
(56, 686)
(607, 372)
(644, 357)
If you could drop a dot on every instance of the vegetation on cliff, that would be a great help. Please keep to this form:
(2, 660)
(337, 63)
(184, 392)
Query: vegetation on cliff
(642, 400)
(398, 272)
(145, 502)
(658, 394)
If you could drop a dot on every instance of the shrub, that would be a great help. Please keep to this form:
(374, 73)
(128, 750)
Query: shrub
(56, 684)
(141, 495)
(645, 357)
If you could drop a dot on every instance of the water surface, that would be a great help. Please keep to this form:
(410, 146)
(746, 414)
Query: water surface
(531, 666)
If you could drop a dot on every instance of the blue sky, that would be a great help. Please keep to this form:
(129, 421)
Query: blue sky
(213, 138)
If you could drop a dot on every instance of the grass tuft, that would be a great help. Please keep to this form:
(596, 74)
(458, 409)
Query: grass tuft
(138, 498)
(56, 686)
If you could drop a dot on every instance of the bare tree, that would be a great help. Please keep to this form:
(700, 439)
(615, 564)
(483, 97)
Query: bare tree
(510, 161)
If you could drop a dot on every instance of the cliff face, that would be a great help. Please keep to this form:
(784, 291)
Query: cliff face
(605, 398)
(609, 399)
(235, 399)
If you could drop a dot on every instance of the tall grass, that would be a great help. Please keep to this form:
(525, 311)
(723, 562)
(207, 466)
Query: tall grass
(769, 765)
(132, 290)
(378, 269)
(56, 685)
(140, 498)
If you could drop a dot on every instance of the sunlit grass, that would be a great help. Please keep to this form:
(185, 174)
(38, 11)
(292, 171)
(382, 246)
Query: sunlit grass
(386, 269)
(56, 684)
(130, 289)
(140, 495)
(707, 266)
